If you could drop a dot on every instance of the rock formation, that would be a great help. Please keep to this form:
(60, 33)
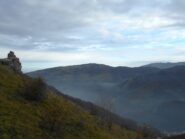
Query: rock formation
(12, 61)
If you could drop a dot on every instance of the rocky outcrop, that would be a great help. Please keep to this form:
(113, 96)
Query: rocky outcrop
(12, 61)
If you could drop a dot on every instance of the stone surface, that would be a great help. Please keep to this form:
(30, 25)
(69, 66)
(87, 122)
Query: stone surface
(12, 61)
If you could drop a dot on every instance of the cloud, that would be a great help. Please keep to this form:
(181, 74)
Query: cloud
(95, 27)
(56, 19)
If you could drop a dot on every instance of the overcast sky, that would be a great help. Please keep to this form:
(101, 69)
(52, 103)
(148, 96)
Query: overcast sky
(48, 33)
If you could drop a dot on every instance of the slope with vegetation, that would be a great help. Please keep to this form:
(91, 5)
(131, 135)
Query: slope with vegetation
(180, 136)
(29, 109)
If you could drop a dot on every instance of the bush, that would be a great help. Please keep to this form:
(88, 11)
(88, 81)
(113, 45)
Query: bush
(34, 90)
(58, 126)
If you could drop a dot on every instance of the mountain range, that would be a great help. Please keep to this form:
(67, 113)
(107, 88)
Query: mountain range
(166, 65)
(148, 94)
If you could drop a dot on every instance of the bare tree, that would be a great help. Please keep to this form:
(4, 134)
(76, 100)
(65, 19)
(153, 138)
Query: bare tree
(107, 103)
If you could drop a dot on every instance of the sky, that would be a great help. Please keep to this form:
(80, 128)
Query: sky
(49, 33)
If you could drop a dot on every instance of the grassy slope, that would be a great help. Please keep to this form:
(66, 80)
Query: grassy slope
(53, 117)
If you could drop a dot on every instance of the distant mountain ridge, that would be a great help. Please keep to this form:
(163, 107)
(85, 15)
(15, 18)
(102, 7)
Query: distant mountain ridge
(145, 94)
(163, 65)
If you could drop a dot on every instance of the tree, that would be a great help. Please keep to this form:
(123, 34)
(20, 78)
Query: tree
(108, 104)
(34, 90)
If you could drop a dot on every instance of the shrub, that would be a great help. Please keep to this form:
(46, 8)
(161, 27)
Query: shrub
(139, 134)
(34, 90)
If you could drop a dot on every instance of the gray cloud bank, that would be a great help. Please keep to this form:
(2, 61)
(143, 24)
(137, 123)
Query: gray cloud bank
(66, 25)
